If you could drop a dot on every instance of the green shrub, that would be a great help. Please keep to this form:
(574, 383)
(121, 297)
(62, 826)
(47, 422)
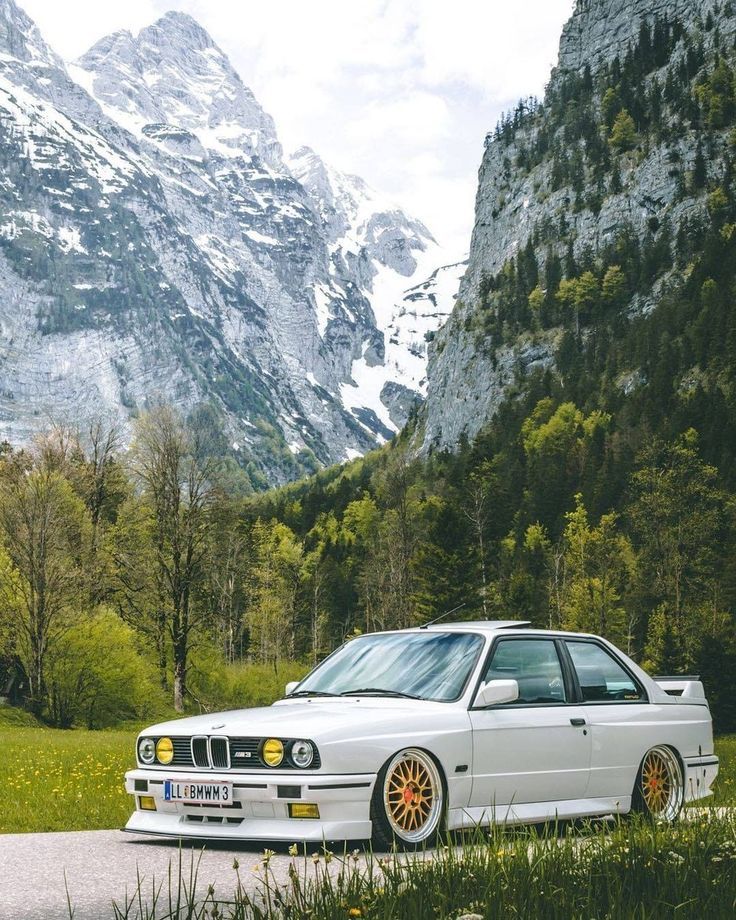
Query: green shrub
(97, 676)
(215, 685)
(12, 716)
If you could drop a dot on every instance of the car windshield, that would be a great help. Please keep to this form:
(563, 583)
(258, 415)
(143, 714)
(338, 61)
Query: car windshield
(423, 665)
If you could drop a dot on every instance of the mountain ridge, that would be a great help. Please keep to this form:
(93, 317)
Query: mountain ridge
(164, 251)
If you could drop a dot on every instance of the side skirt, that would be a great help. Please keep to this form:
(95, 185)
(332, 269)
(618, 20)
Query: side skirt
(537, 812)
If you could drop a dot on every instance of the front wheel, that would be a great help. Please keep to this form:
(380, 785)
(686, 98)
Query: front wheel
(660, 786)
(408, 805)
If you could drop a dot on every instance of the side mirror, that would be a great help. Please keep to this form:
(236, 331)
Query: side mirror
(291, 687)
(496, 692)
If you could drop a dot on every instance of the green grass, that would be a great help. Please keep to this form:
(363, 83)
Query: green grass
(54, 780)
(725, 788)
(633, 870)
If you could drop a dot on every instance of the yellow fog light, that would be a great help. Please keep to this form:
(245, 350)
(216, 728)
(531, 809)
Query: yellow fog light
(164, 750)
(146, 803)
(273, 752)
(303, 810)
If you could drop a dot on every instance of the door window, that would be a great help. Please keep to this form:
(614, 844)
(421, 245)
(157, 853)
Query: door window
(602, 679)
(534, 664)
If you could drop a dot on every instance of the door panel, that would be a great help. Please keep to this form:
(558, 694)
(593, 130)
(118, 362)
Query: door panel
(529, 754)
(621, 735)
(529, 751)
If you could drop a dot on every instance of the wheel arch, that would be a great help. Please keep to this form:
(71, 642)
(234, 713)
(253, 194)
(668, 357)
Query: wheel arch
(662, 744)
(637, 798)
(418, 747)
(378, 788)
(424, 750)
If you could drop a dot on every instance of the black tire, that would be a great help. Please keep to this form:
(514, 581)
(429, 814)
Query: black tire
(408, 805)
(659, 791)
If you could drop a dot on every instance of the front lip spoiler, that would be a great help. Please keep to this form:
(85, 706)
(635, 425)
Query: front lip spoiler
(318, 787)
(128, 830)
(238, 841)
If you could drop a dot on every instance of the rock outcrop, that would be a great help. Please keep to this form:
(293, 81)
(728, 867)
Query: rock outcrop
(528, 198)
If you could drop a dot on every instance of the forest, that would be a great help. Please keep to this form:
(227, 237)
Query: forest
(131, 582)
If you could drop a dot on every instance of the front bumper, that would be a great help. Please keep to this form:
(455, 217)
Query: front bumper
(259, 810)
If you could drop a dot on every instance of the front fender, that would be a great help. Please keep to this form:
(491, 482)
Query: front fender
(450, 746)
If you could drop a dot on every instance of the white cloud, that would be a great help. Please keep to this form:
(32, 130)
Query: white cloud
(401, 120)
(72, 26)
(401, 92)
(503, 49)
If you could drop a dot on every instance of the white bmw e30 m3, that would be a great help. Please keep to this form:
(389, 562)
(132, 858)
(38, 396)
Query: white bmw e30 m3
(399, 735)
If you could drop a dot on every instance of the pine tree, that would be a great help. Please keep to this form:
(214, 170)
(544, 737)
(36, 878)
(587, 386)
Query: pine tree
(700, 170)
(623, 135)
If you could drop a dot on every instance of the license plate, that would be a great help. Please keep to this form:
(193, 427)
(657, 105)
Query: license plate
(198, 793)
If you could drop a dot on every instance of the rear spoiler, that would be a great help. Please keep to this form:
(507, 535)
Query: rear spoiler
(687, 686)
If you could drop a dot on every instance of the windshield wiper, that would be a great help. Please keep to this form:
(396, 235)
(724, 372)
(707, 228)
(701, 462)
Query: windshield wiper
(378, 691)
(310, 693)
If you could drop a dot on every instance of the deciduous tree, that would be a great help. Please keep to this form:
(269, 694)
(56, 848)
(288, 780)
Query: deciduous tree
(171, 465)
(45, 529)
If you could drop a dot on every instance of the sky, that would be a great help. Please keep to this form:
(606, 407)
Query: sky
(400, 92)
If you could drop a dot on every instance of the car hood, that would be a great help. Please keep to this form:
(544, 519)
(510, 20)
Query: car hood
(316, 719)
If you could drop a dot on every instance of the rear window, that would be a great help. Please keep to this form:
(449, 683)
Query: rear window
(602, 679)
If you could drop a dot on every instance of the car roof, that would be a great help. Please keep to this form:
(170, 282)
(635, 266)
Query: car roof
(492, 626)
(485, 625)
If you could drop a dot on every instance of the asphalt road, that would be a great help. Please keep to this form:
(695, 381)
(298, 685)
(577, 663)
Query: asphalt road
(100, 866)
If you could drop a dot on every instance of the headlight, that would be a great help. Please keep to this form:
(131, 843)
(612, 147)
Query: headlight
(164, 751)
(273, 752)
(302, 753)
(146, 750)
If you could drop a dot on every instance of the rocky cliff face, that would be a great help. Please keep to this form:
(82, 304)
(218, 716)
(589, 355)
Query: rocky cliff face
(156, 245)
(173, 74)
(557, 188)
(599, 30)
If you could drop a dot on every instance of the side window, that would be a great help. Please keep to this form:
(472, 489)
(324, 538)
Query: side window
(534, 664)
(601, 677)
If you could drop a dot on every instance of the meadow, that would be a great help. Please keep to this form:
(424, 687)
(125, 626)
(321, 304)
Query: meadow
(52, 780)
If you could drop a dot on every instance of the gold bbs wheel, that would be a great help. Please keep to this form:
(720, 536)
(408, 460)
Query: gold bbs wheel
(413, 796)
(660, 789)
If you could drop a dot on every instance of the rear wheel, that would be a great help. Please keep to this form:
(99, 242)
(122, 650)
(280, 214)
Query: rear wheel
(660, 787)
(408, 805)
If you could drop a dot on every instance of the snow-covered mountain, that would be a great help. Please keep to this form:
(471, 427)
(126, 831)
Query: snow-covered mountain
(156, 245)
(374, 244)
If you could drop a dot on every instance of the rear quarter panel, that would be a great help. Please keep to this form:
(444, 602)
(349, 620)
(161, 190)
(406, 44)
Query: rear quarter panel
(622, 734)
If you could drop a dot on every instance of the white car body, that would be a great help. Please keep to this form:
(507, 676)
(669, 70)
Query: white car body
(511, 763)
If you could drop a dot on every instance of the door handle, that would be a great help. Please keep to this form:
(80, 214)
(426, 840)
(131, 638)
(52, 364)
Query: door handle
(577, 721)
